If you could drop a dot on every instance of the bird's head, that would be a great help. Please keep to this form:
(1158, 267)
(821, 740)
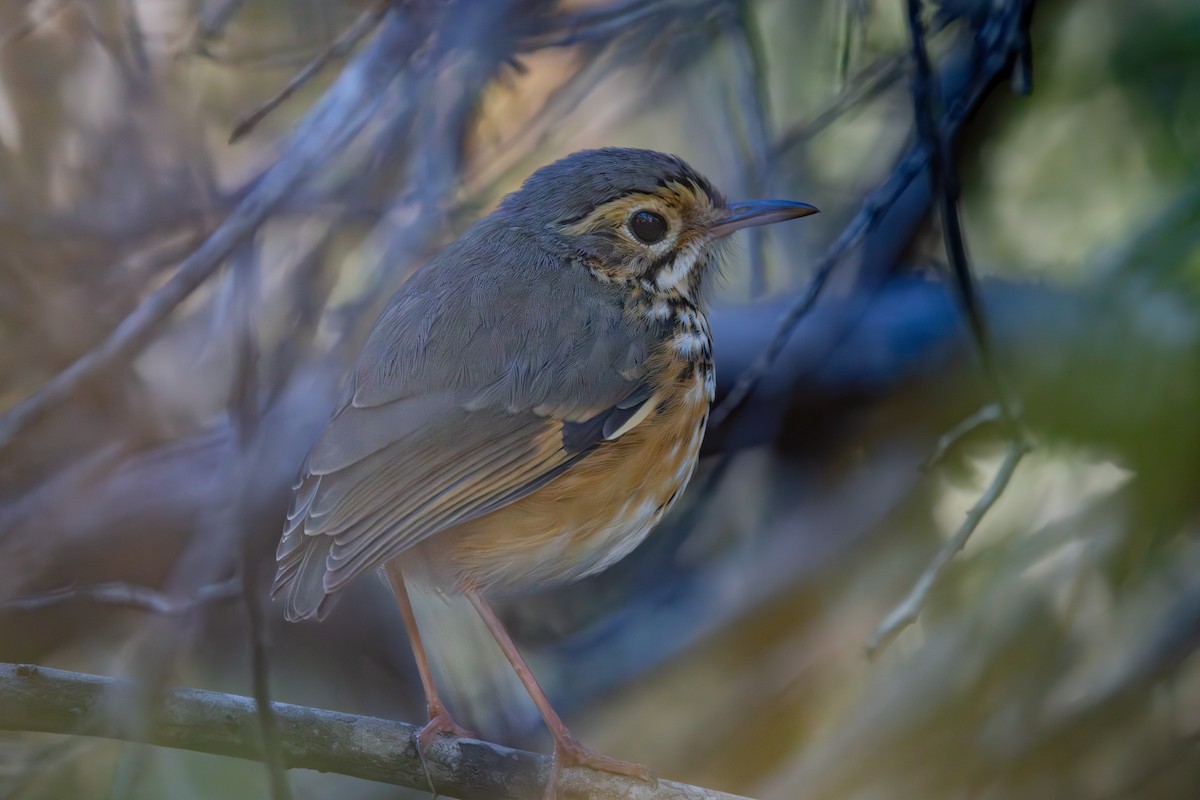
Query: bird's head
(639, 217)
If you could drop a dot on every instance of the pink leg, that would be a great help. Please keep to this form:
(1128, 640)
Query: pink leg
(567, 749)
(440, 720)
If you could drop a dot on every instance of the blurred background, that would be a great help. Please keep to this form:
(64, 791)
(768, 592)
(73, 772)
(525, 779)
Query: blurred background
(217, 292)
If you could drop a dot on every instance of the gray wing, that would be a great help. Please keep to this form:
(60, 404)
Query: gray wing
(471, 393)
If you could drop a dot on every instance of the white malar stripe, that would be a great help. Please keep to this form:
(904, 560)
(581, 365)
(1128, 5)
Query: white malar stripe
(675, 277)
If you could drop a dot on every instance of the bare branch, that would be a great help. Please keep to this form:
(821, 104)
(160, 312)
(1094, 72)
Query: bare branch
(906, 612)
(332, 123)
(868, 216)
(752, 107)
(947, 441)
(55, 701)
(991, 55)
(602, 23)
(31, 23)
(346, 42)
(946, 191)
(124, 595)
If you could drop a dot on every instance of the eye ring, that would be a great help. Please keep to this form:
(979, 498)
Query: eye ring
(647, 226)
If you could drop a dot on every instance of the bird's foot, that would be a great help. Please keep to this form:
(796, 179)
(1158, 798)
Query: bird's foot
(440, 722)
(568, 752)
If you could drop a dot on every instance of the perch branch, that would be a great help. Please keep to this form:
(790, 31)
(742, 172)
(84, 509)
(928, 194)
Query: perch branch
(55, 701)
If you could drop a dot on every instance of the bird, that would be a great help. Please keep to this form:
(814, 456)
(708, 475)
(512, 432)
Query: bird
(528, 406)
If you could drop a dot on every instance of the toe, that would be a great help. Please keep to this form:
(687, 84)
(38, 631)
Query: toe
(442, 723)
(573, 754)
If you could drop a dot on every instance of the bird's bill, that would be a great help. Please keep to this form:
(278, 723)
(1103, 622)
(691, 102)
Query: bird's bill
(750, 213)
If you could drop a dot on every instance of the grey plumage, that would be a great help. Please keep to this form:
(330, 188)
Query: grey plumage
(499, 338)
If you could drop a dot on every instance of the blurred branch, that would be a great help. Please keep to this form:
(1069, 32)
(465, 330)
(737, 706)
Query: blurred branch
(907, 611)
(346, 42)
(245, 415)
(999, 42)
(866, 85)
(123, 595)
(948, 440)
(55, 701)
(751, 103)
(32, 22)
(331, 124)
(213, 18)
(874, 207)
(606, 22)
(946, 190)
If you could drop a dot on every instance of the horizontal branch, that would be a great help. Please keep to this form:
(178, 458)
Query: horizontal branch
(55, 701)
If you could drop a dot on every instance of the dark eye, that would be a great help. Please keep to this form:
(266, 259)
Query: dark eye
(648, 226)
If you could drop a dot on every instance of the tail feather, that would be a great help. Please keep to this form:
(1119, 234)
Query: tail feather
(302, 574)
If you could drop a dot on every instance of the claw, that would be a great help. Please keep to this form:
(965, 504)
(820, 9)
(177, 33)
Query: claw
(569, 752)
(440, 722)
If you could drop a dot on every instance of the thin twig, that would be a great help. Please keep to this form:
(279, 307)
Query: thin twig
(1006, 39)
(755, 115)
(593, 25)
(31, 24)
(346, 42)
(907, 611)
(872, 210)
(216, 16)
(259, 636)
(244, 413)
(946, 191)
(124, 595)
(866, 85)
(55, 701)
(948, 440)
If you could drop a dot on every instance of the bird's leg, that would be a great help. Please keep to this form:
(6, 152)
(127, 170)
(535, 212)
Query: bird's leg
(568, 752)
(440, 720)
